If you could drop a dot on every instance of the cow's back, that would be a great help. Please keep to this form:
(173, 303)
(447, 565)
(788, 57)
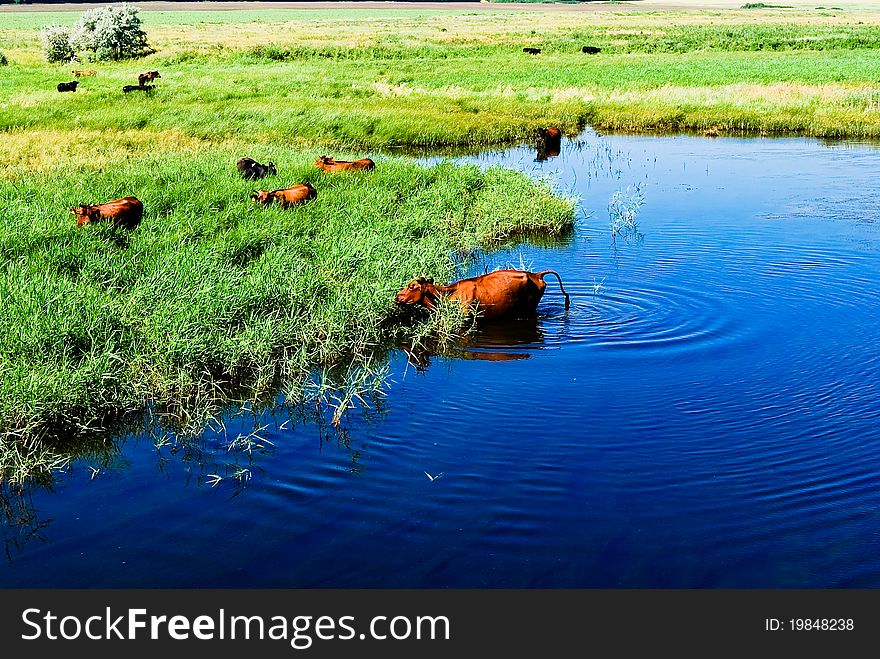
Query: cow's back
(126, 212)
(502, 293)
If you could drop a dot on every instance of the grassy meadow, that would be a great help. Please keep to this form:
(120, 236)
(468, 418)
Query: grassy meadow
(212, 291)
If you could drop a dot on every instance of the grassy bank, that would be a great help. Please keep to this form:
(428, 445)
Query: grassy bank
(388, 78)
(211, 289)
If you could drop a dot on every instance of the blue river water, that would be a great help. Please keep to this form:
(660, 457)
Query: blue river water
(705, 415)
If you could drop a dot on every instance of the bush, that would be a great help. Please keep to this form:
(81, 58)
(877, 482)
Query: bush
(3, 60)
(55, 40)
(111, 32)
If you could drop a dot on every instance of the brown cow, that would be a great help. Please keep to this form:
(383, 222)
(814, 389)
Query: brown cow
(330, 164)
(498, 294)
(147, 76)
(125, 213)
(86, 72)
(286, 197)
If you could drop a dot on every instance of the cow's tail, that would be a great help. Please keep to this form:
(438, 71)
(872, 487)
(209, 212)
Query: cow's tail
(553, 272)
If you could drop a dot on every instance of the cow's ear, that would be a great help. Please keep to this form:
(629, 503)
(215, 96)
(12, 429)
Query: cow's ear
(429, 280)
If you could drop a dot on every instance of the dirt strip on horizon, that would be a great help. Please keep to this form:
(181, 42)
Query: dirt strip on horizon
(649, 5)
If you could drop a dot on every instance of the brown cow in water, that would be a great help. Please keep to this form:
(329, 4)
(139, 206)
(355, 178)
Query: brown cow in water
(498, 294)
(330, 164)
(286, 197)
(125, 213)
(548, 142)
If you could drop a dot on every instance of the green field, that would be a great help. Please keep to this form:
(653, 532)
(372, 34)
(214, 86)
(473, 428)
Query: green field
(212, 293)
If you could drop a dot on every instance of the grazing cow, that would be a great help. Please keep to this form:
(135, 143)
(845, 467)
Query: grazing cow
(591, 50)
(330, 164)
(77, 73)
(286, 197)
(68, 86)
(139, 88)
(148, 76)
(125, 213)
(498, 294)
(548, 142)
(532, 51)
(251, 170)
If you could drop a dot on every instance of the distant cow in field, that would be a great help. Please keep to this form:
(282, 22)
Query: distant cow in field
(498, 294)
(78, 73)
(147, 76)
(251, 170)
(330, 164)
(286, 197)
(532, 51)
(137, 88)
(591, 50)
(68, 86)
(125, 213)
(548, 142)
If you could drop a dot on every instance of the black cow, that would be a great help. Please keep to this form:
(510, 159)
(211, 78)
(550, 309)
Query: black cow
(548, 142)
(591, 50)
(532, 51)
(139, 88)
(68, 86)
(251, 170)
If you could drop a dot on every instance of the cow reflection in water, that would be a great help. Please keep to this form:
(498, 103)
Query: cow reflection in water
(511, 340)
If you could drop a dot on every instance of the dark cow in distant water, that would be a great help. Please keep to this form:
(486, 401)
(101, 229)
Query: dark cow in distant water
(286, 197)
(251, 170)
(548, 142)
(138, 88)
(591, 50)
(68, 86)
(532, 51)
(147, 76)
(125, 213)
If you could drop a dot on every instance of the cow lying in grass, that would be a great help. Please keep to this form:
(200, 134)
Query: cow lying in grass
(251, 170)
(137, 88)
(330, 164)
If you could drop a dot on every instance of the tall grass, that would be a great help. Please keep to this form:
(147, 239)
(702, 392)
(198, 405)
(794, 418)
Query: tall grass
(212, 291)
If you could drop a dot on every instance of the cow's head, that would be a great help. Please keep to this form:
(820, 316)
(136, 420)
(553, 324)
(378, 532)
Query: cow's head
(324, 161)
(270, 169)
(419, 291)
(262, 197)
(84, 214)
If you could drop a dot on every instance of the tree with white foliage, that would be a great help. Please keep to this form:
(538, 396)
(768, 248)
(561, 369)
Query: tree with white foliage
(55, 40)
(111, 32)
